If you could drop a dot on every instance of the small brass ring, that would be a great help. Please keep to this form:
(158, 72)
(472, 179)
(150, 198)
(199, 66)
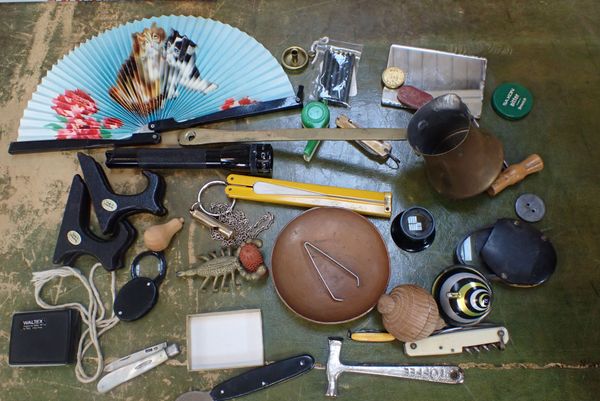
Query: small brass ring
(204, 188)
(294, 58)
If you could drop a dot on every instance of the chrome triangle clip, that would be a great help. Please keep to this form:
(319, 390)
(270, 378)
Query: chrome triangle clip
(308, 245)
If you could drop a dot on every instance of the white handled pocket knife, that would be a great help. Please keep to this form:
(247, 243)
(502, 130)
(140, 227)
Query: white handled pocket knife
(459, 339)
(133, 365)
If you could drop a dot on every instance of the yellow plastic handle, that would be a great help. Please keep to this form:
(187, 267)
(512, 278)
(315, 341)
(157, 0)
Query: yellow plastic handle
(371, 336)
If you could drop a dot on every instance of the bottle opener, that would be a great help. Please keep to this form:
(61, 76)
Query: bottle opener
(456, 340)
(446, 374)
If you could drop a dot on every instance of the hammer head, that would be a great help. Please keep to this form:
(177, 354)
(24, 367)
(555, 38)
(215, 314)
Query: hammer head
(334, 365)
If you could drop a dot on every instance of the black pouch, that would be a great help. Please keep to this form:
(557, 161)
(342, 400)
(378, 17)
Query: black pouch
(44, 338)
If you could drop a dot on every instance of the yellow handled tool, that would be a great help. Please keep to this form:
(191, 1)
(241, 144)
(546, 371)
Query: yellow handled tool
(268, 190)
(370, 336)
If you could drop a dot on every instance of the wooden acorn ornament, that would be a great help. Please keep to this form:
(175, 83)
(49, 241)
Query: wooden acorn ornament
(158, 237)
(409, 313)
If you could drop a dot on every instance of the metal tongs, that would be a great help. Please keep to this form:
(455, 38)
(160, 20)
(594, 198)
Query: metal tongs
(307, 247)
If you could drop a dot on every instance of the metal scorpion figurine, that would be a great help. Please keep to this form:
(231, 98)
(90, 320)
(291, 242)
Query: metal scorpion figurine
(246, 259)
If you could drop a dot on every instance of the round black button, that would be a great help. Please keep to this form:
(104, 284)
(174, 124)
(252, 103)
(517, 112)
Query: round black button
(414, 229)
(530, 208)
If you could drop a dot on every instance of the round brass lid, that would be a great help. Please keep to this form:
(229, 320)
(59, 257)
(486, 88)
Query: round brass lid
(294, 58)
(344, 236)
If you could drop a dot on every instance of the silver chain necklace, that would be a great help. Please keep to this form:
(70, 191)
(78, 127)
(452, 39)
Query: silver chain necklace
(238, 222)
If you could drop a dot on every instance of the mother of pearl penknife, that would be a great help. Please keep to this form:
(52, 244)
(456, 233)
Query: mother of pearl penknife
(133, 365)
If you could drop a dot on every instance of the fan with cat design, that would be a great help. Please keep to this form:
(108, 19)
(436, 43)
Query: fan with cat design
(131, 82)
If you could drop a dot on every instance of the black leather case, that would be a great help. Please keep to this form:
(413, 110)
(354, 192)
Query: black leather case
(44, 338)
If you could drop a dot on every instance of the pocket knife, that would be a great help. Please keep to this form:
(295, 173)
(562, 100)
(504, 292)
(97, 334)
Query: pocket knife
(459, 339)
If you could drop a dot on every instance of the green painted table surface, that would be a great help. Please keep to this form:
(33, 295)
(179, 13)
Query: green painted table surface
(551, 47)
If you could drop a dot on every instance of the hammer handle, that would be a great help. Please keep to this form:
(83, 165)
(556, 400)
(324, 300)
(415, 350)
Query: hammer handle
(515, 173)
(446, 374)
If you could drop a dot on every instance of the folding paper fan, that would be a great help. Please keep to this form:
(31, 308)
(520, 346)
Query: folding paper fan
(147, 76)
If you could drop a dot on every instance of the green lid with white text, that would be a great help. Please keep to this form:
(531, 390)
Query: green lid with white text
(512, 101)
(315, 115)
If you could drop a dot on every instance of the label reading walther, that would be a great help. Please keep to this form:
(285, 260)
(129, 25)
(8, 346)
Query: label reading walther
(109, 205)
(33, 324)
(74, 237)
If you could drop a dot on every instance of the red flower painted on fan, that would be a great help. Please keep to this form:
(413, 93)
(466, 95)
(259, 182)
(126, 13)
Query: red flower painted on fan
(74, 103)
(246, 101)
(80, 128)
(111, 123)
(75, 110)
(228, 104)
(231, 102)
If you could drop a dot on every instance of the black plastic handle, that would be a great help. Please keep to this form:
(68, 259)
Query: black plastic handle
(54, 145)
(253, 109)
(265, 376)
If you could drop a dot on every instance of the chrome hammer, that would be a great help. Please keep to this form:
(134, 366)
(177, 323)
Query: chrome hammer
(431, 373)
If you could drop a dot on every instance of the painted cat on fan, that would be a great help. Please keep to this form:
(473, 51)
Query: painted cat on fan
(155, 69)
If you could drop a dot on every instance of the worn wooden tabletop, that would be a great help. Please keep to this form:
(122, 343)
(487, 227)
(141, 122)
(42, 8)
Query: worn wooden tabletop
(551, 47)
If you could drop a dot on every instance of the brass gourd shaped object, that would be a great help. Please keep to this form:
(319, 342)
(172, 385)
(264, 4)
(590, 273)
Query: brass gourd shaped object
(410, 313)
(158, 237)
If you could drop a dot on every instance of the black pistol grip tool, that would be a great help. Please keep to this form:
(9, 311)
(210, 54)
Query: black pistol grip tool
(76, 239)
(110, 207)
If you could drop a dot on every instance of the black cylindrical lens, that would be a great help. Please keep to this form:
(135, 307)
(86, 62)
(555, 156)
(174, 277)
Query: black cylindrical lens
(414, 229)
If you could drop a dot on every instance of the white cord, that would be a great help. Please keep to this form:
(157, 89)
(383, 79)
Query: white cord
(92, 316)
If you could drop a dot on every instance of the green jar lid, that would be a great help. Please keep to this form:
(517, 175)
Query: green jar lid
(315, 115)
(512, 101)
